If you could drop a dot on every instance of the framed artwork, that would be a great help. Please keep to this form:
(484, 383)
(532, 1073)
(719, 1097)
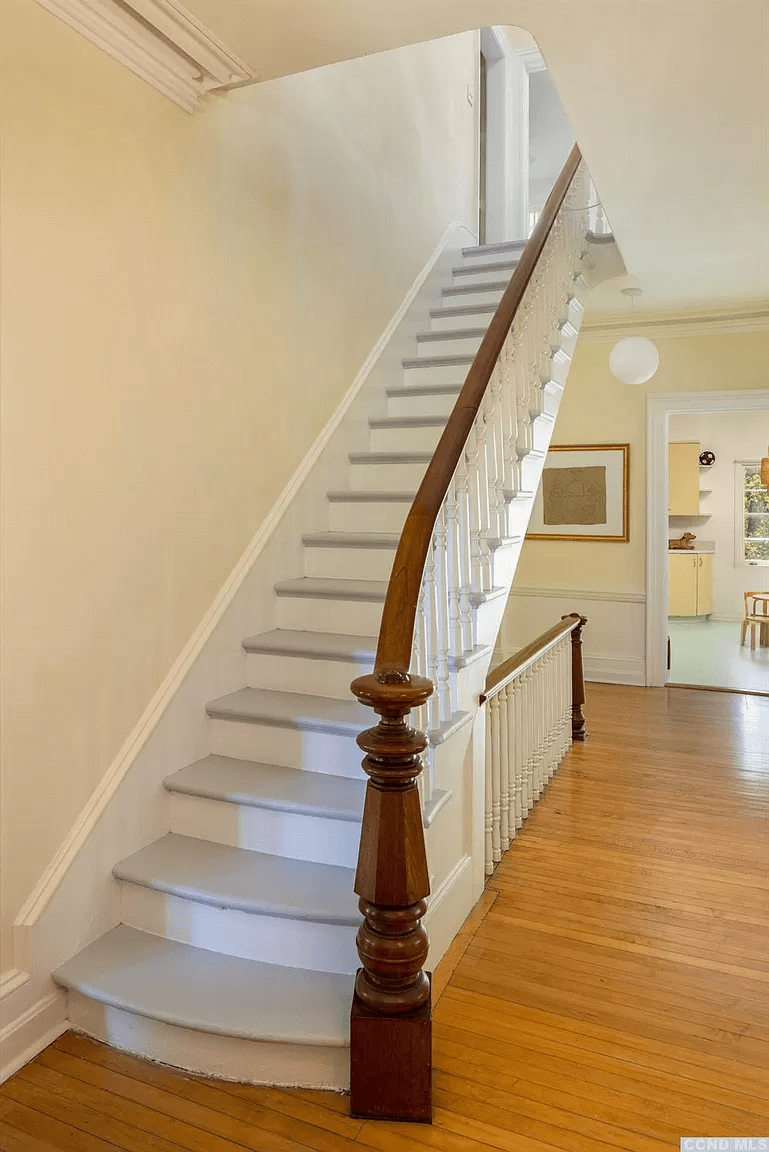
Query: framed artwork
(584, 494)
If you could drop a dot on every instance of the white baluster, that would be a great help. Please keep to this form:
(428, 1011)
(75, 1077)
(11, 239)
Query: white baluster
(454, 570)
(474, 506)
(529, 731)
(465, 563)
(484, 440)
(519, 744)
(431, 608)
(504, 773)
(487, 819)
(497, 453)
(442, 654)
(496, 767)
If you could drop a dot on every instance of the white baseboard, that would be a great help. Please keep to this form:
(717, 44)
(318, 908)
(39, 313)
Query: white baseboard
(615, 670)
(22, 1038)
(449, 908)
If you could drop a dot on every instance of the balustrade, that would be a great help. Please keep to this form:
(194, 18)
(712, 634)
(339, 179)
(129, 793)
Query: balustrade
(533, 712)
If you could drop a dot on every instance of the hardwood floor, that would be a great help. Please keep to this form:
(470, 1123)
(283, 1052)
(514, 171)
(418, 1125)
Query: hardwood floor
(611, 989)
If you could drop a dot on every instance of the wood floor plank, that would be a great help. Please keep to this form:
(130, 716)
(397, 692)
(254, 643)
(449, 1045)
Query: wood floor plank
(39, 1125)
(610, 991)
(205, 1103)
(12, 1140)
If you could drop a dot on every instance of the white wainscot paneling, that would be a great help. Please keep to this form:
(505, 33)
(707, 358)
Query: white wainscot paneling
(614, 638)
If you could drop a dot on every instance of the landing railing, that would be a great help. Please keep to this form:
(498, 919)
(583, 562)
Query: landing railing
(441, 572)
(533, 712)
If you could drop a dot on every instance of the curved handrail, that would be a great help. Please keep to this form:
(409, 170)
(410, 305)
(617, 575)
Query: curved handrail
(396, 631)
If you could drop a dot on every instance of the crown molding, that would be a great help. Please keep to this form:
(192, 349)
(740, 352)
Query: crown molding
(160, 41)
(745, 316)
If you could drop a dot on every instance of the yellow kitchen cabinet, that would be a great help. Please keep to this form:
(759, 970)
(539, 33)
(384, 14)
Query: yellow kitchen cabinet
(690, 584)
(684, 478)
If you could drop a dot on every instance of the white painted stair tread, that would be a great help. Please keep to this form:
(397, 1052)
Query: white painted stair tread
(437, 361)
(314, 645)
(320, 587)
(270, 786)
(501, 246)
(210, 991)
(371, 496)
(351, 539)
(254, 882)
(292, 710)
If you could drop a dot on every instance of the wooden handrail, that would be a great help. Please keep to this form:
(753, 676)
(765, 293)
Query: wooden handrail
(499, 676)
(396, 631)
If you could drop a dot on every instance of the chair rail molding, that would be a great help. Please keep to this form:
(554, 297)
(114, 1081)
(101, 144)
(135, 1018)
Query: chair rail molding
(660, 407)
(160, 41)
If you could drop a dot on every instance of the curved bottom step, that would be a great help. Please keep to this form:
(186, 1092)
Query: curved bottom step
(210, 1013)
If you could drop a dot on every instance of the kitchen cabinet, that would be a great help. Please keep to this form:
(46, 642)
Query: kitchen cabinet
(684, 478)
(690, 584)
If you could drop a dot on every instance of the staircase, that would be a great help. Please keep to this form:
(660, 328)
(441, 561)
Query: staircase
(236, 952)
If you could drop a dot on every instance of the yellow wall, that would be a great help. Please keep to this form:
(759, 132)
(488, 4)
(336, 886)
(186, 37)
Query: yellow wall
(597, 409)
(185, 300)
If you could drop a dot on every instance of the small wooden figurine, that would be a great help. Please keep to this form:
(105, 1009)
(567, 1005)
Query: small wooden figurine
(684, 544)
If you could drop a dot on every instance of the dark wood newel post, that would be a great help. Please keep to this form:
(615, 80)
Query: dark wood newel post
(578, 725)
(390, 1024)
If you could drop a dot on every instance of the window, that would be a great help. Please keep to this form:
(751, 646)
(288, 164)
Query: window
(751, 514)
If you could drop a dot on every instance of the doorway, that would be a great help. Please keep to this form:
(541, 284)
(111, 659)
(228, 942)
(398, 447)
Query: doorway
(702, 457)
(503, 166)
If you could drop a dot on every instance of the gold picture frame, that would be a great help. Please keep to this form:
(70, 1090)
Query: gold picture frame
(593, 490)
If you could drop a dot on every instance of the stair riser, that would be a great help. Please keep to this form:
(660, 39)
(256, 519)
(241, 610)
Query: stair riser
(560, 367)
(210, 1054)
(471, 260)
(386, 477)
(541, 432)
(297, 674)
(441, 323)
(271, 939)
(530, 471)
(406, 439)
(551, 398)
(291, 834)
(311, 614)
(460, 298)
(290, 747)
(435, 374)
(341, 563)
(480, 274)
(450, 346)
(568, 339)
(367, 516)
(421, 405)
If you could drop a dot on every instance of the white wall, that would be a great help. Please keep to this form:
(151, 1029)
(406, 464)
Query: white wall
(185, 301)
(731, 436)
(550, 137)
(607, 582)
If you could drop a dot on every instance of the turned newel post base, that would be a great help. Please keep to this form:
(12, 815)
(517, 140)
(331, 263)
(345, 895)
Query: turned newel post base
(391, 1063)
(390, 1023)
(578, 724)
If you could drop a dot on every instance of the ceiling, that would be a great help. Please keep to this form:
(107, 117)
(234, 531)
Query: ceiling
(669, 101)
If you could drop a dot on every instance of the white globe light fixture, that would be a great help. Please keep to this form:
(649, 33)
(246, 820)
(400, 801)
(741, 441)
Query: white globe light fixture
(635, 359)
